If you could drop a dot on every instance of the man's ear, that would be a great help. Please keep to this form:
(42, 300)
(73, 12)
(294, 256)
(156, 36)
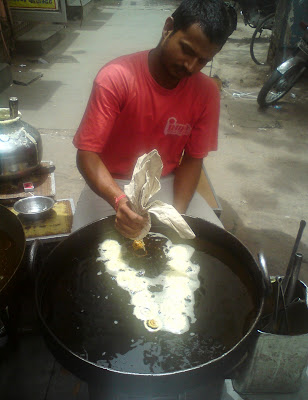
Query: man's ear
(168, 27)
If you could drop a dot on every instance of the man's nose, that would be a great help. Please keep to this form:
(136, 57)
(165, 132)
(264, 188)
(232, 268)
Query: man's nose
(191, 64)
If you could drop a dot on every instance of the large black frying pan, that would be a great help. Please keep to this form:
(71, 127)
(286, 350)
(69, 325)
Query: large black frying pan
(12, 247)
(90, 328)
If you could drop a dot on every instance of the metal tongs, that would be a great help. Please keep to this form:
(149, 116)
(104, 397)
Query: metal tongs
(284, 297)
(291, 276)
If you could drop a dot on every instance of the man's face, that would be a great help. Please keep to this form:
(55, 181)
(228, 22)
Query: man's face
(185, 52)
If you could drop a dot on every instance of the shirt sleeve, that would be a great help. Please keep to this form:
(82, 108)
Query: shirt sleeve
(204, 134)
(105, 103)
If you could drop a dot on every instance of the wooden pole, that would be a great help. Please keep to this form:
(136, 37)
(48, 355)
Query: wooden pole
(6, 29)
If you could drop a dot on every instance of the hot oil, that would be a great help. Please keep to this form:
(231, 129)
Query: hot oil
(93, 317)
(7, 257)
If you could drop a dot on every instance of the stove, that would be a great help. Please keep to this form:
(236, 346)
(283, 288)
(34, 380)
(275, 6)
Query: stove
(42, 179)
(22, 347)
(53, 226)
(24, 350)
(211, 391)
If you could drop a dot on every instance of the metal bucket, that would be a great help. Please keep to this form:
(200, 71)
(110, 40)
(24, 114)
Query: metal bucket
(275, 364)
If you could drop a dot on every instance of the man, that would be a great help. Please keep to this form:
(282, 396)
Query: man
(154, 99)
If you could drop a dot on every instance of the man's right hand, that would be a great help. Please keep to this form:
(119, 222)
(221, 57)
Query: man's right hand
(92, 168)
(127, 222)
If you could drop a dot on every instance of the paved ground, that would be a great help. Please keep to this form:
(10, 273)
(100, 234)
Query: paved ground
(260, 170)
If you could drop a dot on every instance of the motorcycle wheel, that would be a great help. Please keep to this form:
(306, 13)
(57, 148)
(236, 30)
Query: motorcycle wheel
(260, 39)
(279, 84)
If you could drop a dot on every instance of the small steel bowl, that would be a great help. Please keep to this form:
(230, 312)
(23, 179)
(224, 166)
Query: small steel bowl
(36, 205)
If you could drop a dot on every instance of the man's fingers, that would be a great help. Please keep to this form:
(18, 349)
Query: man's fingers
(126, 230)
(130, 218)
(128, 223)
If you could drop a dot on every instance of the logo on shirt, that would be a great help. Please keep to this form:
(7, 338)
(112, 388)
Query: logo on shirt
(173, 128)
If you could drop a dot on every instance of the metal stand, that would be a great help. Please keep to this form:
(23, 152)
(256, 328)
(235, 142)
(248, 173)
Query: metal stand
(211, 391)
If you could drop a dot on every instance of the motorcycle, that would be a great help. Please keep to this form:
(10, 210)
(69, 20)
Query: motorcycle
(254, 11)
(286, 74)
(260, 15)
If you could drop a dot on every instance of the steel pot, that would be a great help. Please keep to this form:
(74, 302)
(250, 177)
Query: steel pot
(80, 324)
(20, 144)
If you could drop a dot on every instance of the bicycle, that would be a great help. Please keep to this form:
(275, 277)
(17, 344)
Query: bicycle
(260, 15)
(286, 74)
(261, 36)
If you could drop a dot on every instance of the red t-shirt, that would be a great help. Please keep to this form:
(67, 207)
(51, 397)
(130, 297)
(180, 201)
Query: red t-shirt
(129, 114)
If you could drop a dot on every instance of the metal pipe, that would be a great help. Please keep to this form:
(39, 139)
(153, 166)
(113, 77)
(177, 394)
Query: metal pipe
(13, 104)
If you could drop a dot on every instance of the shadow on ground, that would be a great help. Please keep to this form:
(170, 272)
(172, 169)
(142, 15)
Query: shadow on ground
(277, 246)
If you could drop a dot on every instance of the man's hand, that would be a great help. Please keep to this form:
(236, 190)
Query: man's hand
(90, 165)
(127, 222)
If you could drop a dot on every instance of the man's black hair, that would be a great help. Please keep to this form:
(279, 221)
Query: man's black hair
(211, 15)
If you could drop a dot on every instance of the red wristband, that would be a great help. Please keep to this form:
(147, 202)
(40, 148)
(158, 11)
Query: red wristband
(117, 199)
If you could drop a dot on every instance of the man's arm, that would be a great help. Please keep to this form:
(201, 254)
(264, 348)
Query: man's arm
(186, 179)
(101, 182)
